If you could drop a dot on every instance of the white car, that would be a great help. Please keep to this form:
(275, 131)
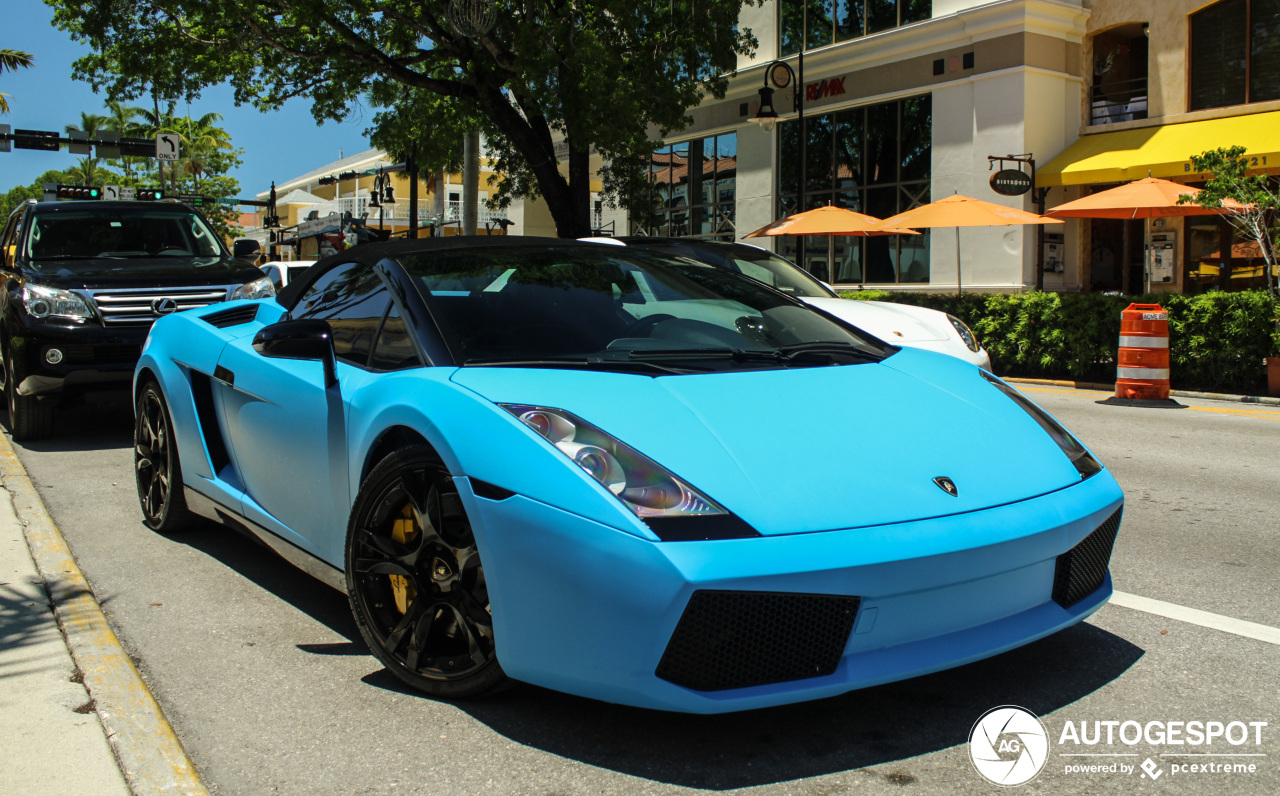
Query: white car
(282, 272)
(900, 324)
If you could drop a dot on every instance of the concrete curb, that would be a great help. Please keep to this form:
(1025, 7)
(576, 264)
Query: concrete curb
(150, 755)
(1206, 396)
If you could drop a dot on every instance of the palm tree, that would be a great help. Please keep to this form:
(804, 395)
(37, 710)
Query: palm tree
(122, 119)
(91, 124)
(11, 61)
(87, 172)
(200, 138)
(154, 122)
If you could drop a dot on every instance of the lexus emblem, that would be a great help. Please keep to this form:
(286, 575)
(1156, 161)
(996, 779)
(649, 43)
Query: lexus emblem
(947, 485)
(164, 306)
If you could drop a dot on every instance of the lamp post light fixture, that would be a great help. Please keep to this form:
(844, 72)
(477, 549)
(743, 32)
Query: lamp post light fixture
(777, 75)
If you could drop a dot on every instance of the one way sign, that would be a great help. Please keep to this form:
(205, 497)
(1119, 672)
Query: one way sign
(166, 146)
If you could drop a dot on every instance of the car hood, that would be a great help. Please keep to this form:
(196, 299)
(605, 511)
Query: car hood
(140, 272)
(881, 319)
(814, 449)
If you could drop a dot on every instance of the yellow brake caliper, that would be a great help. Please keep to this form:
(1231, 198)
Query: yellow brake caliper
(404, 532)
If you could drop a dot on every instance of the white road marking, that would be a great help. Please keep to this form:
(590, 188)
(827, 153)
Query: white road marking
(1194, 616)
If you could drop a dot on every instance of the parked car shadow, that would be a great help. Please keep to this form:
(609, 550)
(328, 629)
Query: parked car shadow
(102, 423)
(872, 727)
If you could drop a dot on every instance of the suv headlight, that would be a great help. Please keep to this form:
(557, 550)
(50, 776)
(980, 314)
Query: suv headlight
(258, 288)
(966, 334)
(671, 508)
(45, 302)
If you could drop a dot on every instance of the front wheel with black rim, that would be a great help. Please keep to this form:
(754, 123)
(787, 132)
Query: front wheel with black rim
(30, 417)
(155, 465)
(415, 580)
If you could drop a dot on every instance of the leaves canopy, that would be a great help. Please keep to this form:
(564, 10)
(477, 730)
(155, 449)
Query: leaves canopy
(597, 72)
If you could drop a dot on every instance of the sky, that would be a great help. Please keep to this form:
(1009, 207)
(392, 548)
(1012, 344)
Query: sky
(277, 146)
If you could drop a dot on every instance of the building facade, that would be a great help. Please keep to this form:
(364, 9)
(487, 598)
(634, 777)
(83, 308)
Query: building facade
(906, 101)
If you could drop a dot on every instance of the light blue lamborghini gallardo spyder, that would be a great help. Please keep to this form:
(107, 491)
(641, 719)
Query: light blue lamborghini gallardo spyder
(639, 479)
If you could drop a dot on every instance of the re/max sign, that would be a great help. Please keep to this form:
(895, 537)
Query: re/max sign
(831, 87)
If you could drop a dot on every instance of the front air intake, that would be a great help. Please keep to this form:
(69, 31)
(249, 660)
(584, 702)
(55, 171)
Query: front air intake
(736, 639)
(1082, 569)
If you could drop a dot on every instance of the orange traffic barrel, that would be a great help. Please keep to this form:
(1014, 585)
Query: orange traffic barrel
(1142, 367)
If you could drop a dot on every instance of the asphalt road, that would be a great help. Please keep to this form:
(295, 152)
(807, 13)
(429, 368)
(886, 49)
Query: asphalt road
(267, 683)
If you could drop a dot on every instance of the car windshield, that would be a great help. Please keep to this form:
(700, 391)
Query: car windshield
(121, 233)
(617, 308)
(778, 273)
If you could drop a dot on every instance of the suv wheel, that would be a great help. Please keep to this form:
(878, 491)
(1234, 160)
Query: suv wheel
(29, 416)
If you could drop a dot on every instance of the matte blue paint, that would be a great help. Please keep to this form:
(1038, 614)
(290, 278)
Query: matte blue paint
(584, 597)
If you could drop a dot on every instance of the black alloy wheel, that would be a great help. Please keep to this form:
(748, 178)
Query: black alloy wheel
(30, 417)
(415, 581)
(155, 465)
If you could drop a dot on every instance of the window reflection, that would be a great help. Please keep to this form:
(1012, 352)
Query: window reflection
(817, 23)
(693, 188)
(874, 160)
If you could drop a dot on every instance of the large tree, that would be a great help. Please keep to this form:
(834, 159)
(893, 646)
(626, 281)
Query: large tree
(594, 73)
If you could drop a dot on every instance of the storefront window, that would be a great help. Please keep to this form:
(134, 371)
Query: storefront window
(874, 160)
(817, 23)
(693, 188)
(1235, 53)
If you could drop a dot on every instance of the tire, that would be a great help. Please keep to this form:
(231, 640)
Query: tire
(156, 468)
(415, 581)
(29, 417)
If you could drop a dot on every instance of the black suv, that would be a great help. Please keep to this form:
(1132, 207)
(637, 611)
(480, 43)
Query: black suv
(84, 281)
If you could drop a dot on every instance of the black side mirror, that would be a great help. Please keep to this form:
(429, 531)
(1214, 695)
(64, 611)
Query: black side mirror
(304, 338)
(246, 249)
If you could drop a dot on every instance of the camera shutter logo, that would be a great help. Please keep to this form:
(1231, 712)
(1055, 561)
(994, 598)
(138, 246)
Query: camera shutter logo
(1008, 746)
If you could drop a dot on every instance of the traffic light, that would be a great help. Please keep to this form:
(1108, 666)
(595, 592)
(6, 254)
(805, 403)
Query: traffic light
(148, 195)
(79, 192)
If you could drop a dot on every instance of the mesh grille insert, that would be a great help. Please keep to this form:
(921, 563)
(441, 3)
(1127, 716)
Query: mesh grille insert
(1082, 569)
(736, 639)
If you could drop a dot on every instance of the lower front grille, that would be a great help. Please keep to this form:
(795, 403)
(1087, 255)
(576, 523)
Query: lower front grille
(89, 354)
(1082, 570)
(736, 639)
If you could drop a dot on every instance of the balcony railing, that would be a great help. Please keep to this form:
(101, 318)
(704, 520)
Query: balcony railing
(398, 212)
(1122, 101)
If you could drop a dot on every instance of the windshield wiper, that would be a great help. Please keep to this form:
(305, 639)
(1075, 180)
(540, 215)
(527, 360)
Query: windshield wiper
(740, 354)
(587, 363)
(788, 353)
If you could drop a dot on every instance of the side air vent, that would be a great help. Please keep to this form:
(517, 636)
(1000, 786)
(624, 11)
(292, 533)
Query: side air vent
(736, 639)
(231, 317)
(210, 428)
(1082, 569)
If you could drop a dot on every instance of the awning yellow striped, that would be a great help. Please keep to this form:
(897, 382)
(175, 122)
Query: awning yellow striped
(1164, 151)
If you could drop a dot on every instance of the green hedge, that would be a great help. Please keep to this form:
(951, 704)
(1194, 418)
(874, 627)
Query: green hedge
(1217, 340)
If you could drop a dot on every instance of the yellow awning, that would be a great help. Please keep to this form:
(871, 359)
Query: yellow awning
(1165, 151)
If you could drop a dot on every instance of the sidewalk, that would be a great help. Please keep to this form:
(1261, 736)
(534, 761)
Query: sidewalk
(53, 741)
(75, 715)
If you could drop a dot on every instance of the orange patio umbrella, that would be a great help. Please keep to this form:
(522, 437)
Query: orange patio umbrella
(827, 221)
(1146, 199)
(963, 211)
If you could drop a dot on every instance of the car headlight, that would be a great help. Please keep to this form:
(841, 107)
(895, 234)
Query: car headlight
(674, 510)
(258, 288)
(966, 334)
(1084, 462)
(49, 302)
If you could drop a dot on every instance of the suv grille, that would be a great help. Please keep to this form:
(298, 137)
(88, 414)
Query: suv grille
(736, 639)
(138, 307)
(1082, 569)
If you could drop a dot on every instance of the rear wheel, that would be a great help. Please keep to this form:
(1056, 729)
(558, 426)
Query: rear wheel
(29, 417)
(415, 581)
(155, 465)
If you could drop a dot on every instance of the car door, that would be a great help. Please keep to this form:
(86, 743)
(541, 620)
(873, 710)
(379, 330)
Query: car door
(287, 429)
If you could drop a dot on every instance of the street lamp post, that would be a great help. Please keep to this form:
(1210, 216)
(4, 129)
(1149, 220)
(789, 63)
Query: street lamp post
(778, 75)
